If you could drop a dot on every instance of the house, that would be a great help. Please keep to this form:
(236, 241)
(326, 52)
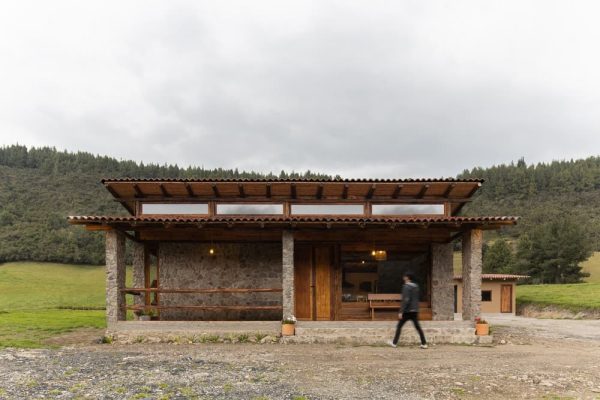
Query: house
(258, 249)
(498, 293)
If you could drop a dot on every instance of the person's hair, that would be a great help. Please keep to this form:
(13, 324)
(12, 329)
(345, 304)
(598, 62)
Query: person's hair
(410, 275)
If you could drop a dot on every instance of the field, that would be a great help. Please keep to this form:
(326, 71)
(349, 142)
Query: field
(40, 300)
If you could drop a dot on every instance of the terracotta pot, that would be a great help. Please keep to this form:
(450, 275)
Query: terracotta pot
(482, 329)
(287, 329)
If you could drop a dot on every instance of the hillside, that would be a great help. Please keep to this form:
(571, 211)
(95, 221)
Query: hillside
(540, 192)
(39, 187)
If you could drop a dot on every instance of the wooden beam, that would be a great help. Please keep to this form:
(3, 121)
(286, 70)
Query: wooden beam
(449, 190)
(320, 192)
(190, 192)
(138, 191)
(423, 191)
(268, 190)
(163, 190)
(241, 190)
(293, 190)
(371, 191)
(397, 191)
(345, 192)
(475, 188)
(118, 198)
(215, 190)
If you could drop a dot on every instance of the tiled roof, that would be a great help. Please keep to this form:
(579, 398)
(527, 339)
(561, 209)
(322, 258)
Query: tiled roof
(281, 219)
(494, 277)
(247, 180)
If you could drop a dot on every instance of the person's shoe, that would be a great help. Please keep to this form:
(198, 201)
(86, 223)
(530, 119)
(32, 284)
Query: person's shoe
(424, 346)
(391, 343)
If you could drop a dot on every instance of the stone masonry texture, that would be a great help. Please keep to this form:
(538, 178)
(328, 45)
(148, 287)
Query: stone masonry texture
(115, 277)
(288, 272)
(472, 243)
(234, 265)
(442, 284)
(138, 264)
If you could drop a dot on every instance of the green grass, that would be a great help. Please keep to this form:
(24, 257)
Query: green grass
(33, 297)
(574, 297)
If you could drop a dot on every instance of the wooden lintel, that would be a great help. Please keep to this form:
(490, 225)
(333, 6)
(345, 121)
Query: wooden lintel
(138, 191)
(215, 190)
(371, 192)
(268, 190)
(98, 228)
(449, 190)
(163, 190)
(397, 191)
(320, 192)
(190, 192)
(241, 190)
(345, 192)
(423, 191)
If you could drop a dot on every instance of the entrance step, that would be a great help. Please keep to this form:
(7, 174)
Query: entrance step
(379, 332)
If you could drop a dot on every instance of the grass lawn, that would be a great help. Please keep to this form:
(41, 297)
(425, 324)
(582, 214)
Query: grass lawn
(575, 297)
(33, 298)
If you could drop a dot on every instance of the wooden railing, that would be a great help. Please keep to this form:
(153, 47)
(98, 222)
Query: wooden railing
(143, 307)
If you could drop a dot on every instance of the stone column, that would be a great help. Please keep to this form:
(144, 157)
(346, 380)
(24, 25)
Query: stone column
(115, 277)
(442, 282)
(287, 273)
(139, 269)
(472, 243)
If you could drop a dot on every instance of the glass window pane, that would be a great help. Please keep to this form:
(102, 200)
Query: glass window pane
(249, 209)
(323, 209)
(175, 208)
(407, 209)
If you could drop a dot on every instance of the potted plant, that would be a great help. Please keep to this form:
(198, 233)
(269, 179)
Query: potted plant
(482, 328)
(288, 325)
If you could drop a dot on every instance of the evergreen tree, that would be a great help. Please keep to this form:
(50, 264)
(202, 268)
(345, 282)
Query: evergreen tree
(499, 258)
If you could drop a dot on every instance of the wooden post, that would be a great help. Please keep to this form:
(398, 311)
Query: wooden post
(115, 277)
(471, 272)
(287, 273)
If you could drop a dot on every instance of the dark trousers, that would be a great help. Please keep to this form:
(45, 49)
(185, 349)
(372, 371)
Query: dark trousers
(409, 316)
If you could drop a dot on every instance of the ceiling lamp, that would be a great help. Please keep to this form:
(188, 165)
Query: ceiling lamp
(379, 255)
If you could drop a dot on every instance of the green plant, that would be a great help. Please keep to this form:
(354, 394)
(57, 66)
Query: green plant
(243, 338)
(260, 336)
(289, 319)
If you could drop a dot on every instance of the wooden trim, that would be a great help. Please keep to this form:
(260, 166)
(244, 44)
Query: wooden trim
(189, 190)
(268, 191)
(345, 192)
(371, 191)
(241, 190)
(320, 192)
(215, 191)
(138, 191)
(449, 190)
(293, 191)
(397, 191)
(239, 308)
(423, 191)
(297, 200)
(163, 190)
(191, 290)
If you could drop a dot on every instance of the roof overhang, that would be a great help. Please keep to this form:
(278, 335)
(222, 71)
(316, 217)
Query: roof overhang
(456, 191)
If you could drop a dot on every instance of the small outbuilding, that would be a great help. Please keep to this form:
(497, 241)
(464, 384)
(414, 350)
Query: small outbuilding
(498, 294)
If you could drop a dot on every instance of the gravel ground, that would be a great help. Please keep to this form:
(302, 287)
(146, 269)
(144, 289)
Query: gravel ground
(519, 366)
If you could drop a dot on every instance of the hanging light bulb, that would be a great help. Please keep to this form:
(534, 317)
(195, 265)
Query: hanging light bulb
(211, 251)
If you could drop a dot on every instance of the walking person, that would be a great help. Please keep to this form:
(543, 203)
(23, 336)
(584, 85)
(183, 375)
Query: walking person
(410, 309)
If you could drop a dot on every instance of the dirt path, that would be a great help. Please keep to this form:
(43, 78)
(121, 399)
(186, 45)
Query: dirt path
(568, 329)
(525, 367)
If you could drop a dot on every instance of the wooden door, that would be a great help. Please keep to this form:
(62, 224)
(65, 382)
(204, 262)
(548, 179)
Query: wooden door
(303, 282)
(506, 299)
(313, 282)
(323, 283)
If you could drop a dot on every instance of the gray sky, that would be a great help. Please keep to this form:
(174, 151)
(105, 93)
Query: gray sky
(361, 89)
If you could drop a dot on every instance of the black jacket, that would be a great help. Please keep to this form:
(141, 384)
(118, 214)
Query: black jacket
(410, 297)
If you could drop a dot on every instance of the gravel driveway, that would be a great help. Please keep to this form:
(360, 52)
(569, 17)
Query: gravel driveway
(526, 366)
(552, 328)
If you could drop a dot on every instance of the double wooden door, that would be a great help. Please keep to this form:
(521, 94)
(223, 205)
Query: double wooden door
(314, 282)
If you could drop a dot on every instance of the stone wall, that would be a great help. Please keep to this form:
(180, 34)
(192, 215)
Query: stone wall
(234, 265)
(442, 282)
(115, 277)
(472, 244)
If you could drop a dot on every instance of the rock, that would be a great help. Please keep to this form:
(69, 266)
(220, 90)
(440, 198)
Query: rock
(502, 341)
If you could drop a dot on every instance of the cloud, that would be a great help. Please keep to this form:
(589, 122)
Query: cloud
(377, 90)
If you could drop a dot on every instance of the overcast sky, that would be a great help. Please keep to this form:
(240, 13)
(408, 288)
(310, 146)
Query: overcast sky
(360, 89)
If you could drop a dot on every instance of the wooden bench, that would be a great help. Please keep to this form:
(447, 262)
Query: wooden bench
(389, 301)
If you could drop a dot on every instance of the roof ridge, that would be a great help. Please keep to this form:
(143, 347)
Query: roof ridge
(299, 180)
